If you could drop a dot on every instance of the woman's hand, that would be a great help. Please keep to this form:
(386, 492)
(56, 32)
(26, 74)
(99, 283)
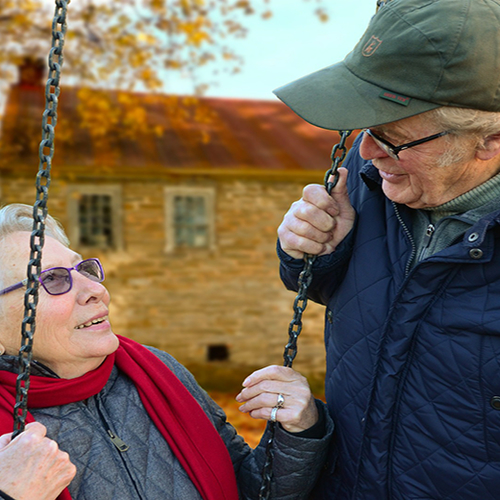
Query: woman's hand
(33, 466)
(261, 392)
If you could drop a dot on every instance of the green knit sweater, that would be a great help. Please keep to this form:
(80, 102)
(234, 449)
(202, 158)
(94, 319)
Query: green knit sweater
(438, 227)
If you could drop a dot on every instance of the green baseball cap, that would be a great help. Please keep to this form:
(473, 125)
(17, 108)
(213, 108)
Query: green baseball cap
(415, 55)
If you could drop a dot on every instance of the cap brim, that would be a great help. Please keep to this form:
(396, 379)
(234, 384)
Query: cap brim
(334, 98)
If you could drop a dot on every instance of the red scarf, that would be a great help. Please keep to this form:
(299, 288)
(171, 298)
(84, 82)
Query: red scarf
(176, 414)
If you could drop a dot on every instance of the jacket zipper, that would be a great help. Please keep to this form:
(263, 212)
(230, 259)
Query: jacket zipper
(119, 444)
(410, 237)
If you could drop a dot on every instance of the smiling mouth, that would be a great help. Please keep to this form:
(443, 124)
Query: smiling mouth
(93, 322)
(390, 175)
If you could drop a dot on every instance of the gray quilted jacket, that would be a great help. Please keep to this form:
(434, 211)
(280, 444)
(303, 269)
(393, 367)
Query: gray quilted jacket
(120, 454)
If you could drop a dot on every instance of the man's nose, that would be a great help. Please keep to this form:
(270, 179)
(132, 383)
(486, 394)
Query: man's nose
(369, 149)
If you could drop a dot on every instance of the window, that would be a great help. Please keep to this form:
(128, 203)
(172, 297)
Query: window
(219, 352)
(95, 216)
(189, 217)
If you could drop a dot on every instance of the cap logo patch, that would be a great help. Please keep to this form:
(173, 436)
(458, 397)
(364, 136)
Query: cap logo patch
(371, 46)
(391, 96)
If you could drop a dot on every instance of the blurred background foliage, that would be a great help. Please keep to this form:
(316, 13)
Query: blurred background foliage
(132, 46)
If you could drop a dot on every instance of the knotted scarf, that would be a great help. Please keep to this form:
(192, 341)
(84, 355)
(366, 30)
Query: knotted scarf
(177, 415)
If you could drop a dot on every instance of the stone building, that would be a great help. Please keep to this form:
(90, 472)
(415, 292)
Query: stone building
(181, 201)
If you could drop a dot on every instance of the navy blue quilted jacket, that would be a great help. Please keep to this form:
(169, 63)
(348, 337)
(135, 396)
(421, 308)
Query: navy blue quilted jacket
(413, 355)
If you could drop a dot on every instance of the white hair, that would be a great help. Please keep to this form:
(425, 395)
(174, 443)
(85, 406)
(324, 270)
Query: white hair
(17, 217)
(468, 128)
(466, 121)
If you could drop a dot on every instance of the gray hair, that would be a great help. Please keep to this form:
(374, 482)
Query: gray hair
(469, 130)
(465, 121)
(17, 217)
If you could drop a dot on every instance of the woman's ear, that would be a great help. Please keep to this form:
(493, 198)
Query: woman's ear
(490, 147)
(2, 349)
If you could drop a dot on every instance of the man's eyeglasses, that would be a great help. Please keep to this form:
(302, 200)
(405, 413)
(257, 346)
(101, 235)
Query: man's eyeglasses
(392, 150)
(58, 280)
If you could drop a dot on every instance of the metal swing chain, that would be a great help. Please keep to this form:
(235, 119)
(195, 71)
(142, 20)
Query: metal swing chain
(49, 121)
(339, 152)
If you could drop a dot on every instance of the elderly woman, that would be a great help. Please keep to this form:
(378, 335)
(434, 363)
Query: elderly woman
(409, 253)
(134, 422)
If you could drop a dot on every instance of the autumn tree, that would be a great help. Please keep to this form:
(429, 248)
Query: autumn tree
(130, 45)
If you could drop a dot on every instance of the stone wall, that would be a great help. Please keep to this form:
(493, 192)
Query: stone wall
(185, 301)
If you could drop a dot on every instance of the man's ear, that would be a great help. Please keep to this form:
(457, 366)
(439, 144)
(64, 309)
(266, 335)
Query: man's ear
(490, 149)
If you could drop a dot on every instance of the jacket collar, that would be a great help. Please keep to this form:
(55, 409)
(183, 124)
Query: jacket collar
(370, 176)
(10, 364)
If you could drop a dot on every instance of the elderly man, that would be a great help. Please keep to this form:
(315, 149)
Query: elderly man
(409, 256)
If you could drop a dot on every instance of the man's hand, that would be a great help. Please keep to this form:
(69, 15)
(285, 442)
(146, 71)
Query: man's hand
(318, 222)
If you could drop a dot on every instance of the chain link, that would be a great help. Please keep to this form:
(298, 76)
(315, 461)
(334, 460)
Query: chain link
(339, 152)
(46, 153)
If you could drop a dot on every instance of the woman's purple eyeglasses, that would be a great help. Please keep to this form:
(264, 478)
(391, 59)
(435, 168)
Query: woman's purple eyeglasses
(58, 280)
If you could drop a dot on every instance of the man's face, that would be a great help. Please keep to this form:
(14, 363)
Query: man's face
(416, 180)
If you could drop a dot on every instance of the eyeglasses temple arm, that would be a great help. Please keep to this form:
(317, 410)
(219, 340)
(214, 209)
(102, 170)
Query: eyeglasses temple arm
(14, 287)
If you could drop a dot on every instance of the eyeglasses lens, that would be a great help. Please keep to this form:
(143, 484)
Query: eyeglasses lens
(387, 149)
(91, 269)
(56, 281)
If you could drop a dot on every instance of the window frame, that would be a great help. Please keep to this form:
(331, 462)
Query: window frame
(170, 192)
(115, 193)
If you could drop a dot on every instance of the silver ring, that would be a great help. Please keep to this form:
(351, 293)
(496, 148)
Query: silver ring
(281, 401)
(274, 411)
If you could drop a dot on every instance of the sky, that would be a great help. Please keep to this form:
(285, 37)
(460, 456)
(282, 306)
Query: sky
(289, 45)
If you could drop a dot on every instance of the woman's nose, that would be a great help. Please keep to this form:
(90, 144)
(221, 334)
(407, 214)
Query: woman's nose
(369, 149)
(88, 289)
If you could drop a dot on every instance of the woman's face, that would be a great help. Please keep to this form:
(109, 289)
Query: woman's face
(61, 342)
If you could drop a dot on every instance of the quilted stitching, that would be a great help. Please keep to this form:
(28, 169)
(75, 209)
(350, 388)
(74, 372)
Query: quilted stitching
(148, 470)
(412, 363)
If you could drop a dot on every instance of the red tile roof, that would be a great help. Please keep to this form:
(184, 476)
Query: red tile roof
(232, 134)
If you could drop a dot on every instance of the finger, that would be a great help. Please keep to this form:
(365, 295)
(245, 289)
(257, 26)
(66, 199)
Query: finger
(65, 470)
(266, 400)
(5, 440)
(313, 226)
(289, 418)
(31, 437)
(296, 246)
(270, 390)
(339, 193)
(36, 428)
(281, 415)
(272, 372)
(318, 196)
